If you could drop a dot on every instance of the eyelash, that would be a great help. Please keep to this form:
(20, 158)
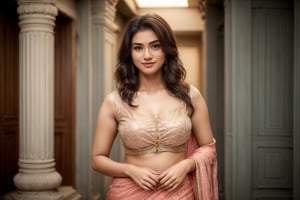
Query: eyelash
(156, 46)
(138, 48)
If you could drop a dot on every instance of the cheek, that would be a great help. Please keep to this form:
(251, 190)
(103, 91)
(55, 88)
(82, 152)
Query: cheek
(162, 57)
(135, 59)
(135, 56)
(161, 54)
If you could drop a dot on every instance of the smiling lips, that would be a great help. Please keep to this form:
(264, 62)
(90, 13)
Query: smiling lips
(148, 64)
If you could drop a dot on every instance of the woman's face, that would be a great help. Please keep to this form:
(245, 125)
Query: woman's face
(147, 54)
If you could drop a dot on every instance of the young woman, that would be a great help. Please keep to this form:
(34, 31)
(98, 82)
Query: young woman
(162, 121)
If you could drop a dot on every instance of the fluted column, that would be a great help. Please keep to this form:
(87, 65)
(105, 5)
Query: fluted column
(104, 35)
(104, 47)
(37, 177)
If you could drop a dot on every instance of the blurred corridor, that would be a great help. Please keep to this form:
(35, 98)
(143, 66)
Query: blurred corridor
(57, 60)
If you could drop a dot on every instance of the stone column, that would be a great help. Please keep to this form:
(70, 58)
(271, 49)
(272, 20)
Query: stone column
(37, 178)
(104, 48)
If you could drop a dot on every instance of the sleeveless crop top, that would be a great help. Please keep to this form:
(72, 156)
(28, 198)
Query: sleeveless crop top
(142, 133)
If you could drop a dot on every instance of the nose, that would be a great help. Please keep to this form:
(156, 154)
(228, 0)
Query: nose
(147, 54)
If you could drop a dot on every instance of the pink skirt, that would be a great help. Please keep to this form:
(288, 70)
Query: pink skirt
(127, 189)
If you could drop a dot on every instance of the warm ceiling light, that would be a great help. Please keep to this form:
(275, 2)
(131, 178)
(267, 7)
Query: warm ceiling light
(162, 3)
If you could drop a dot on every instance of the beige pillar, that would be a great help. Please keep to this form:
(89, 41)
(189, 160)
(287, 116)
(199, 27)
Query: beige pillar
(104, 37)
(37, 178)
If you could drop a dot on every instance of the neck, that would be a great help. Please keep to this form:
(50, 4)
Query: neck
(151, 84)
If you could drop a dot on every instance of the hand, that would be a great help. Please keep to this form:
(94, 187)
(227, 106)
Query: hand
(144, 177)
(173, 177)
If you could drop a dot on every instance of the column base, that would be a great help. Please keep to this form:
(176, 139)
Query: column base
(45, 195)
(69, 193)
(66, 193)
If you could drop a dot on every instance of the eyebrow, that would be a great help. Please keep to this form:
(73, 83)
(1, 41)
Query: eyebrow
(152, 42)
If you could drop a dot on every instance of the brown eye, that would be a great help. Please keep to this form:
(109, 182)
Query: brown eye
(156, 46)
(137, 48)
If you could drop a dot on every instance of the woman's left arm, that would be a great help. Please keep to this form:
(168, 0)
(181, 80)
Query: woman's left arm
(200, 120)
(201, 129)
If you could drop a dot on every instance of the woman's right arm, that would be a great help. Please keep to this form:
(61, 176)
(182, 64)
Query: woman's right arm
(106, 131)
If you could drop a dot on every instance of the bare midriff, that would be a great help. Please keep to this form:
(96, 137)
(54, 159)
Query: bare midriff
(159, 162)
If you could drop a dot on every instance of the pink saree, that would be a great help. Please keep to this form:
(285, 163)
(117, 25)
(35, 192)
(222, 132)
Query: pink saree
(204, 178)
(200, 185)
(126, 189)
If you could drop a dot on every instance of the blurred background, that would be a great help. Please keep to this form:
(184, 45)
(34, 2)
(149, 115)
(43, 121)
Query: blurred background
(243, 55)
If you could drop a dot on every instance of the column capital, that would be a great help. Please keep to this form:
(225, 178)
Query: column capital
(37, 15)
(104, 13)
(37, 7)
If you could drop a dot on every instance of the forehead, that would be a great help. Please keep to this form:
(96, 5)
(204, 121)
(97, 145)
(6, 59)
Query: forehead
(144, 37)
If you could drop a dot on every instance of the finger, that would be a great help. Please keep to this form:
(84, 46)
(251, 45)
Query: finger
(146, 188)
(167, 179)
(154, 178)
(173, 187)
(162, 175)
(143, 185)
(148, 185)
(150, 181)
(153, 183)
(163, 178)
(167, 184)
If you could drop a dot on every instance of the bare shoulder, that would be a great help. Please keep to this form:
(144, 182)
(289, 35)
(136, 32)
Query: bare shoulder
(110, 101)
(195, 95)
(111, 97)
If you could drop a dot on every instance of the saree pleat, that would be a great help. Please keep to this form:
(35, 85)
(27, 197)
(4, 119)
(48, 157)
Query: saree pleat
(126, 189)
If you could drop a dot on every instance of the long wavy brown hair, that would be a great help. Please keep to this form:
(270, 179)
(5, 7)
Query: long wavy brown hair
(174, 74)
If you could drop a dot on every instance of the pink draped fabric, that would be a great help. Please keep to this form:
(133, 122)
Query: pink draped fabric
(200, 185)
(126, 189)
(204, 178)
